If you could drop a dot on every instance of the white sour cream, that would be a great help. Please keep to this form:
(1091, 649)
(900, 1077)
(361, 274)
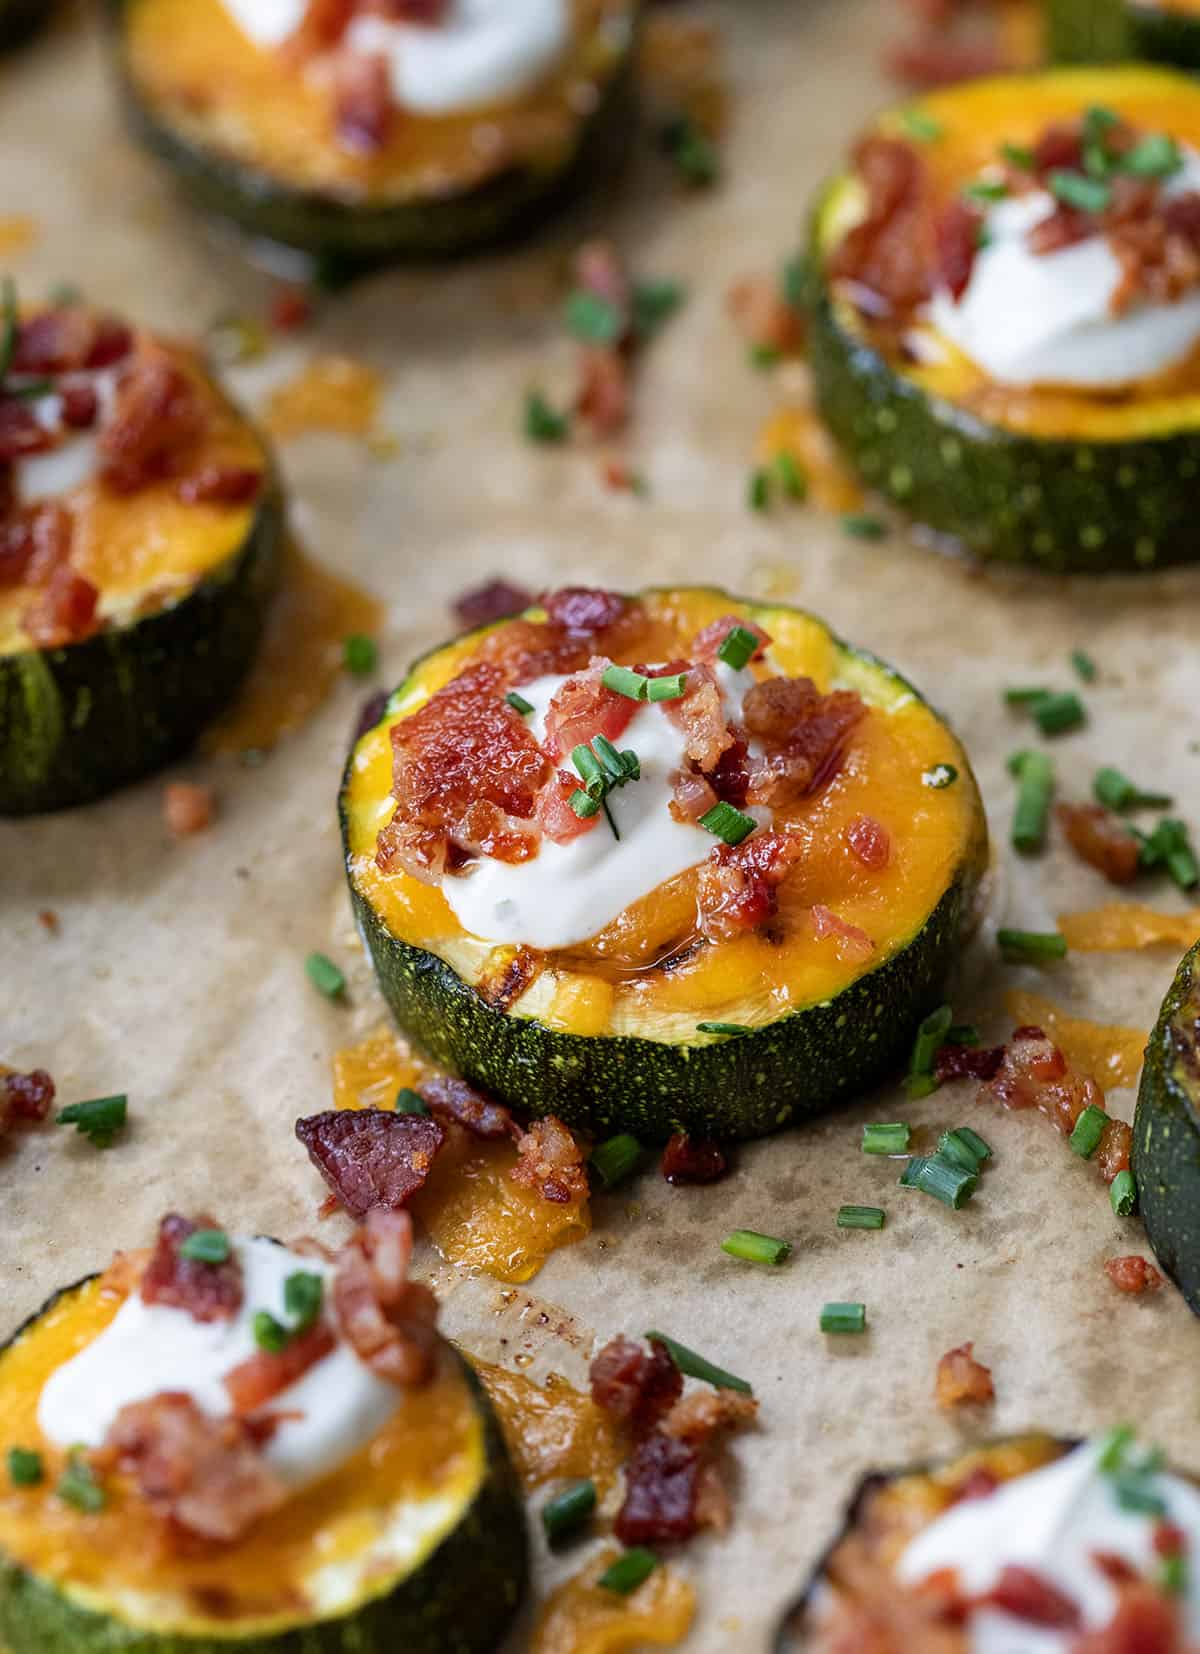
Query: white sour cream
(1052, 1521)
(339, 1403)
(568, 892)
(483, 51)
(1027, 318)
(76, 458)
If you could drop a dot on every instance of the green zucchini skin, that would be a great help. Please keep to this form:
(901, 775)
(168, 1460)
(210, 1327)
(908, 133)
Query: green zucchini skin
(1107, 31)
(1166, 1133)
(462, 1600)
(1059, 506)
(76, 723)
(20, 20)
(345, 238)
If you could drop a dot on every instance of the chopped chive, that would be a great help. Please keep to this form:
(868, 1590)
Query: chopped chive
(921, 126)
(962, 1033)
(666, 689)
(1031, 947)
(1088, 1130)
(1113, 1449)
(1055, 714)
(737, 647)
(729, 1029)
(843, 1318)
(1173, 1575)
(965, 1148)
(270, 1334)
(1181, 863)
(542, 422)
(608, 816)
(1098, 122)
(631, 1569)
(1035, 790)
(30, 389)
(99, 1120)
(206, 1246)
(1122, 1194)
(792, 281)
(409, 1101)
(613, 762)
(591, 771)
(622, 681)
(938, 776)
(9, 324)
(568, 1511)
(1085, 666)
(986, 190)
(1087, 194)
(764, 356)
(789, 476)
(615, 1158)
(25, 1468)
(519, 703)
(582, 805)
(1134, 1493)
(1017, 155)
(860, 1217)
(952, 1184)
(758, 490)
(693, 152)
(325, 975)
(1118, 792)
(695, 1366)
(892, 1138)
(303, 1295)
(863, 526)
(593, 319)
(755, 1248)
(360, 655)
(931, 1036)
(655, 302)
(78, 1486)
(1025, 695)
(917, 1086)
(1154, 156)
(725, 822)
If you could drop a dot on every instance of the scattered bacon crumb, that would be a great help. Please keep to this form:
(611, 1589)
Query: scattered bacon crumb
(1169, 1539)
(482, 605)
(260, 1378)
(689, 1160)
(583, 611)
(1101, 839)
(49, 920)
(362, 101)
(764, 317)
(551, 1162)
(452, 1099)
(737, 884)
(187, 807)
(706, 645)
(706, 1414)
(207, 1291)
(638, 1387)
(389, 1321)
(371, 1158)
(890, 253)
(619, 475)
(851, 941)
(63, 612)
(672, 1484)
(961, 1380)
(870, 841)
(802, 733)
(25, 1099)
(975, 1062)
(930, 59)
(1132, 1274)
(605, 393)
(291, 307)
(221, 485)
(1145, 1622)
(157, 414)
(700, 713)
(1026, 1595)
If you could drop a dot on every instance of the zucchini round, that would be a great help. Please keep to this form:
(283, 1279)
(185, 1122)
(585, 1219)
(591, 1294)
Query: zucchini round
(355, 214)
(1166, 1133)
(1061, 480)
(1106, 31)
(463, 1539)
(610, 1047)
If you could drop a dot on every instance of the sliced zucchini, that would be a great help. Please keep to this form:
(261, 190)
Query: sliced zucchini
(1057, 478)
(1166, 1133)
(419, 1543)
(250, 142)
(647, 1028)
(1106, 31)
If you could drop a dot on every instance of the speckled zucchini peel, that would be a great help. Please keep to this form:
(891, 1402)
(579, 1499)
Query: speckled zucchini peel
(1108, 31)
(1166, 1133)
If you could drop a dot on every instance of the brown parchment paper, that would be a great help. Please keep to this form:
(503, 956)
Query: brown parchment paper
(178, 976)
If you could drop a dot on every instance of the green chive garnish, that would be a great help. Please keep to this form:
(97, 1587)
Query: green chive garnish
(409, 1101)
(962, 1033)
(693, 152)
(269, 1334)
(758, 490)
(863, 526)
(1117, 792)
(655, 302)
(206, 1246)
(737, 647)
(1031, 947)
(764, 357)
(986, 190)
(756, 1248)
(593, 319)
(99, 1120)
(860, 1217)
(542, 422)
(25, 1468)
(1173, 1575)
(1017, 155)
(519, 703)
(1088, 1130)
(789, 476)
(615, 1158)
(920, 1085)
(730, 1030)
(843, 1318)
(591, 771)
(931, 1036)
(568, 1511)
(921, 126)
(30, 389)
(952, 1184)
(1025, 695)
(360, 655)
(1154, 156)
(78, 1486)
(9, 324)
(325, 975)
(582, 805)
(1134, 1493)
(1122, 1194)
(939, 776)
(1113, 1449)
(631, 1569)
(891, 1138)
(666, 689)
(1035, 782)
(695, 1366)
(725, 822)
(1169, 845)
(964, 1147)
(625, 682)
(1055, 714)
(1085, 666)
(303, 1295)
(1087, 194)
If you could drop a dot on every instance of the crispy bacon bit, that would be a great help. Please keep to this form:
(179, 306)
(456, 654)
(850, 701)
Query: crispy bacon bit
(1116, 1568)
(691, 796)
(221, 485)
(555, 816)
(961, 1380)
(802, 732)
(157, 413)
(870, 841)
(48, 530)
(21, 432)
(451, 1099)
(1169, 1539)
(700, 714)
(69, 340)
(80, 405)
(291, 307)
(737, 884)
(707, 643)
(705, 1415)
(605, 392)
(49, 920)
(551, 1162)
(1112, 1156)
(207, 1291)
(958, 228)
(262, 1376)
(362, 101)
(388, 1320)
(64, 612)
(371, 1158)
(1132, 1274)
(638, 1387)
(661, 1492)
(730, 780)
(764, 317)
(890, 253)
(850, 941)
(688, 1160)
(980, 1484)
(583, 708)
(1026, 1595)
(973, 1062)
(490, 602)
(1101, 839)
(1146, 1622)
(931, 59)
(583, 611)
(25, 1099)
(187, 808)
(1035, 1074)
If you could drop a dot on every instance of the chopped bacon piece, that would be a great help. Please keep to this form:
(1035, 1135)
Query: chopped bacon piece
(263, 1375)
(1169, 1539)
(890, 252)
(730, 779)
(1132, 1274)
(1112, 1156)
(870, 841)
(980, 1484)
(389, 1321)
(1026, 1595)
(973, 1062)
(157, 414)
(25, 1099)
(1102, 840)
(637, 1387)
(1059, 148)
(851, 942)
(21, 432)
(68, 340)
(931, 59)
(187, 808)
(551, 1162)
(764, 317)
(691, 796)
(688, 1160)
(321, 28)
(408, 11)
(362, 101)
(80, 406)
(605, 393)
(64, 612)
(700, 713)
(961, 1380)
(490, 602)
(1116, 1568)
(555, 816)
(1035, 1074)
(705, 1415)
(221, 485)
(958, 228)
(371, 1158)
(583, 708)
(661, 1491)
(207, 1291)
(1065, 227)
(1145, 1622)
(737, 884)
(802, 733)
(49, 530)
(707, 643)
(451, 1099)
(291, 307)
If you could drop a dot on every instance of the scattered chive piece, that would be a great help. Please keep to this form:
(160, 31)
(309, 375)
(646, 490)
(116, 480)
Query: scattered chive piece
(758, 490)
(1134, 1493)
(615, 1158)
(863, 526)
(1017, 155)
(693, 152)
(886, 1139)
(952, 1184)
(325, 975)
(756, 1248)
(99, 1120)
(764, 356)
(78, 1486)
(592, 319)
(1035, 789)
(666, 689)
(725, 822)
(542, 422)
(938, 776)
(519, 703)
(1169, 844)
(630, 1570)
(729, 1029)
(582, 805)
(269, 1334)
(789, 476)
(360, 655)
(1085, 666)
(409, 1101)
(1025, 696)
(791, 281)
(964, 1147)
(860, 1217)
(1031, 947)
(921, 126)
(1118, 792)
(1154, 156)
(1055, 714)
(303, 1295)
(1122, 1194)
(655, 302)
(962, 1033)
(1114, 1448)
(568, 1511)
(986, 189)
(1087, 194)
(591, 771)
(737, 647)
(25, 1468)
(917, 1086)
(695, 1366)
(841, 1318)
(931, 1036)
(206, 1246)
(1089, 1129)
(9, 323)
(623, 681)
(1173, 1576)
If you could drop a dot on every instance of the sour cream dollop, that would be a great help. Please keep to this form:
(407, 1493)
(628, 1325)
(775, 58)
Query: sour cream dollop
(332, 1411)
(481, 52)
(1053, 1521)
(1027, 318)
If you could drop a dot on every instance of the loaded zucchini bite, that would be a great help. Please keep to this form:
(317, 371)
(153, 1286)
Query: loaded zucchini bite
(674, 862)
(229, 1443)
(1166, 1133)
(356, 131)
(139, 541)
(1159, 31)
(1005, 299)
(1026, 1546)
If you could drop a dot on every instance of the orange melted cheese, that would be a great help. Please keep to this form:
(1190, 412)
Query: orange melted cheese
(433, 1443)
(552, 1431)
(331, 393)
(17, 233)
(799, 432)
(1121, 925)
(1111, 1055)
(580, 1618)
(191, 62)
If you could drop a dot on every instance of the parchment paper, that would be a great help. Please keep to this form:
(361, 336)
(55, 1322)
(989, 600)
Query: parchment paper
(178, 973)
